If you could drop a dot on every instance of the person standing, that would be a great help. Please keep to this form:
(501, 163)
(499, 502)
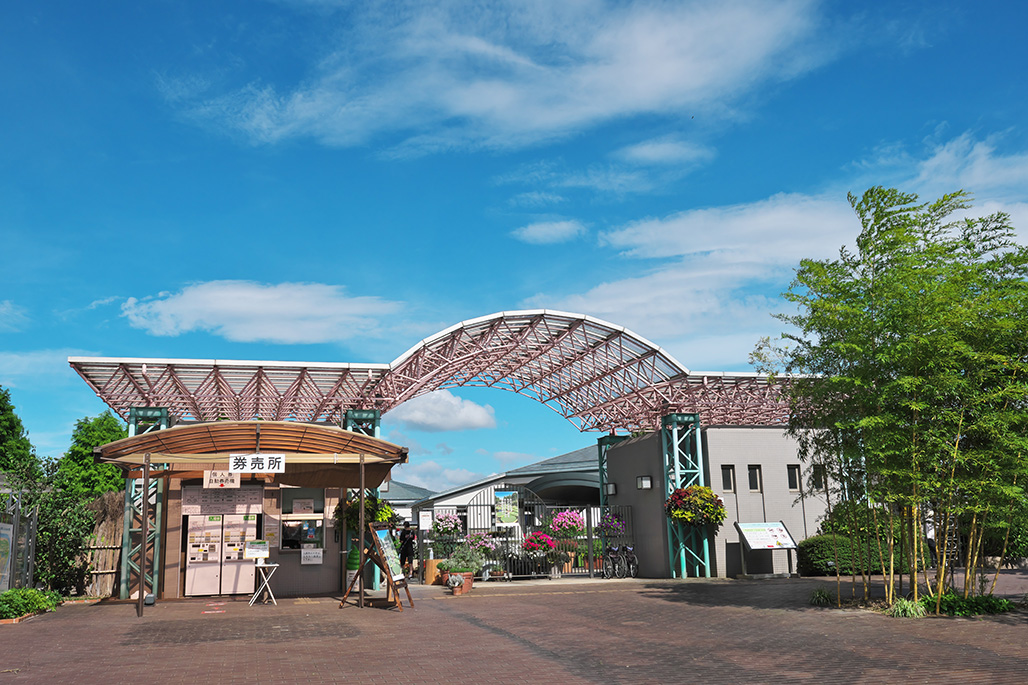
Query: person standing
(408, 539)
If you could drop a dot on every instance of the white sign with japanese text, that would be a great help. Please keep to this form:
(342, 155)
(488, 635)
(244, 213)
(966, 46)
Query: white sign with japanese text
(220, 479)
(311, 556)
(257, 463)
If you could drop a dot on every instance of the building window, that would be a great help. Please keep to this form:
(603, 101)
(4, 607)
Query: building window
(794, 476)
(728, 479)
(755, 480)
(817, 476)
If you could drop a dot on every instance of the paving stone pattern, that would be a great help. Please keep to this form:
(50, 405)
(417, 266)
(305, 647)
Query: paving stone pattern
(565, 631)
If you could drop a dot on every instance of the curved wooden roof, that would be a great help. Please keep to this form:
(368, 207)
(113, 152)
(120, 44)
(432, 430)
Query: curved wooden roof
(315, 455)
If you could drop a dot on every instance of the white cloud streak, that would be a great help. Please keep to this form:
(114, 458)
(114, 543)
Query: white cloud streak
(512, 74)
(549, 232)
(12, 317)
(244, 311)
(35, 367)
(442, 411)
(702, 293)
(435, 476)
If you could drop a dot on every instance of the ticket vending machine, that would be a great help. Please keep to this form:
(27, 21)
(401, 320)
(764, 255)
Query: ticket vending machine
(203, 555)
(237, 574)
(214, 559)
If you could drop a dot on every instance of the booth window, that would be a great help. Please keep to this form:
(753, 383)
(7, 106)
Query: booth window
(728, 478)
(755, 480)
(306, 533)
(303, 518)
(794, 477)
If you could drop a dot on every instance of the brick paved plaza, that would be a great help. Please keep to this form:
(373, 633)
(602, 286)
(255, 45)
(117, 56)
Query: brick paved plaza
(566, 631)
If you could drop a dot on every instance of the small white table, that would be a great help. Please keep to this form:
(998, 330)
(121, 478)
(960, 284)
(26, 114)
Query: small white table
(266, 572)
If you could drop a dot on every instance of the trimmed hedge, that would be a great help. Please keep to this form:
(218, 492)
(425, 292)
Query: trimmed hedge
(20, 601)
(816, 556)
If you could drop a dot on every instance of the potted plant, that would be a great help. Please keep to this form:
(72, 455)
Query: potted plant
(465, 562)
(696, 506)
(610, 526)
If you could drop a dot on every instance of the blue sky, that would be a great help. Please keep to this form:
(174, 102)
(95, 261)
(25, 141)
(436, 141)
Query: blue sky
(334, 181)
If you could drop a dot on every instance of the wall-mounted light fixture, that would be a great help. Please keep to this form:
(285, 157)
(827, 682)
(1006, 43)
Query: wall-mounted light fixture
(611, 488)
(643, 483)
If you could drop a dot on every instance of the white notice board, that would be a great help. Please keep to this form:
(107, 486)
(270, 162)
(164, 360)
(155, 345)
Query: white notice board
(765, 535)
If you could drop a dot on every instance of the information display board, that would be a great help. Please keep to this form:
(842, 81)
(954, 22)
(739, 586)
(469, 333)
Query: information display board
(766, 535)
(384, 542)
(208, 501)
(507, 508)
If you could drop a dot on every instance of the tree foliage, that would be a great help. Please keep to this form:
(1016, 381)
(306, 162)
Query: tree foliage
(913, 358)
(59, 491)
(76, 470)
(17, 456)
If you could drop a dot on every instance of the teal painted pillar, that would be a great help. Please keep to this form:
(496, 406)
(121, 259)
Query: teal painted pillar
(366, 422)
(603, 446)
(688, 546)
(142, 420)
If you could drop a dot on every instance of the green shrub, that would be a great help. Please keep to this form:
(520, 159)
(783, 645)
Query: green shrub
(463, 560)
(821, 597)
(906, 608)
(21, 601)
(958, 605)
(816, 556)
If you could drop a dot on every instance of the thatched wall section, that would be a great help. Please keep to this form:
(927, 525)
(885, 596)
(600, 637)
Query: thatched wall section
(103, 552)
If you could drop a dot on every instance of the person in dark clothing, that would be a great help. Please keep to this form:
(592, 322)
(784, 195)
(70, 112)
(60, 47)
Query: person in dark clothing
(407, 541)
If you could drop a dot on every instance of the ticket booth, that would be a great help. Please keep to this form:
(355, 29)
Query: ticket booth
(203, 531)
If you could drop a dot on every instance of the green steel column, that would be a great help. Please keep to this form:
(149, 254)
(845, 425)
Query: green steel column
(142, 420)
(683, 466)
(366, 422)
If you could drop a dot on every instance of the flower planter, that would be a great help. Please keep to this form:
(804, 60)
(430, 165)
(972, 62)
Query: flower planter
(463, 589)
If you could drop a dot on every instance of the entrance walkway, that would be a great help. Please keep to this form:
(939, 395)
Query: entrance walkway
(574, 631)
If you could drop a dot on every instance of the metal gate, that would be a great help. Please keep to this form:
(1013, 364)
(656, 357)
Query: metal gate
(18, 523)
(508, 559)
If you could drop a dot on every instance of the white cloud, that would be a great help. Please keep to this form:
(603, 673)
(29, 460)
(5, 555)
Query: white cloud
(244, 311)
(442, 411)
(666, 150)
(512, 460)
(12, 317)
(435, 476)
(536, 199)
(37, 367)
(703, 289)
(549, 232)
(510, 74)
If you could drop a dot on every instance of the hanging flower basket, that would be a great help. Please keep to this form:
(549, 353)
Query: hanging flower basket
(695, 506)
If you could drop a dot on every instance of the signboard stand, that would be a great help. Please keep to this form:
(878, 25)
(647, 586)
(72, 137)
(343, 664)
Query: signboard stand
(765, 536)
(382, 554)
(258, 550)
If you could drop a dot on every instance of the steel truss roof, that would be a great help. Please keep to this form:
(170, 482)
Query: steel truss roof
(597, 375)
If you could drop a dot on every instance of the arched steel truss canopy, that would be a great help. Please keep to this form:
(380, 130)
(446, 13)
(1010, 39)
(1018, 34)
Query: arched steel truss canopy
(597, 375)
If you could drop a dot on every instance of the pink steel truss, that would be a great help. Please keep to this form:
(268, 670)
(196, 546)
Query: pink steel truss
(597, 375)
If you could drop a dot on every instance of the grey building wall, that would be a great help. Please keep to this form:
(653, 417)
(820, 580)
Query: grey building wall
(626, 461)
(767, 448)
(773, 452)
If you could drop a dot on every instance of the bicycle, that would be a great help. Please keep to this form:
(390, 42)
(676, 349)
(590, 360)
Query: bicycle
(614, 563)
